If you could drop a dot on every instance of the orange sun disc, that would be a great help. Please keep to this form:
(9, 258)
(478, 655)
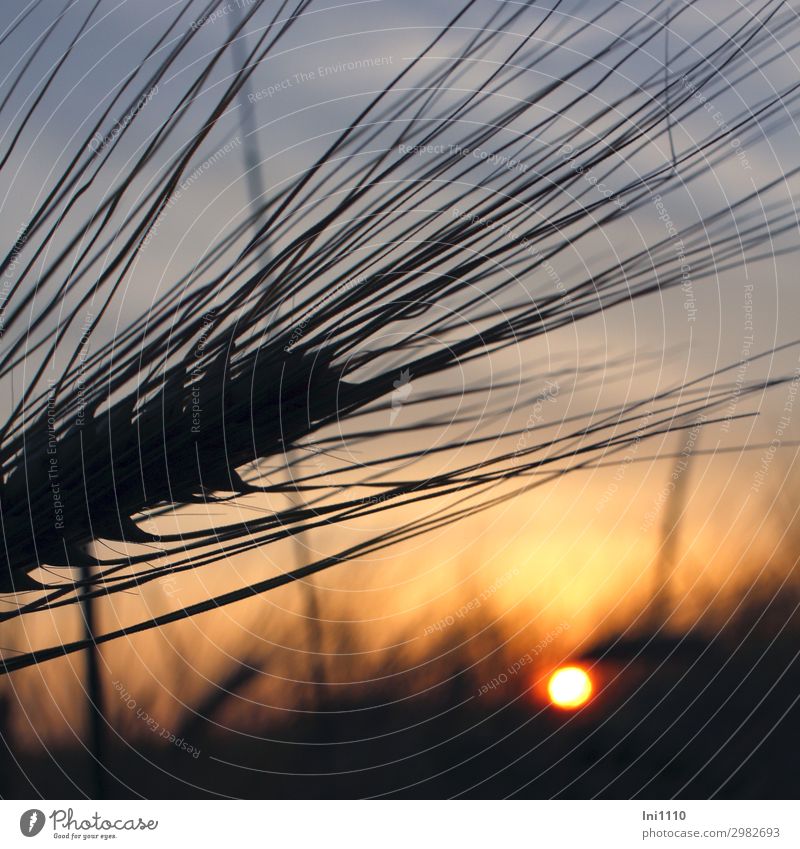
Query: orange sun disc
(569, 687)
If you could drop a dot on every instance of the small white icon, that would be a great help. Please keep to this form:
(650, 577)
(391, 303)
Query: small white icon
(31, 822)
(402, 389)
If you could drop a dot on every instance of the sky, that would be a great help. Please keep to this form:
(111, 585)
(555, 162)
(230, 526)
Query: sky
(581, 549)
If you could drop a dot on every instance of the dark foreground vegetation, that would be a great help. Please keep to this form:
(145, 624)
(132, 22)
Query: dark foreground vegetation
(689, 716)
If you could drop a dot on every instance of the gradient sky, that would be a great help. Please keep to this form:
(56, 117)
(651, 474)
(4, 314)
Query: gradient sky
(584, 544)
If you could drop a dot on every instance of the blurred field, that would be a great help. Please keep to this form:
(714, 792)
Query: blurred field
(693, 710)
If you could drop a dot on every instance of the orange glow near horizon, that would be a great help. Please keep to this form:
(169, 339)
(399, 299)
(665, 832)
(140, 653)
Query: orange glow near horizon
(569, 687)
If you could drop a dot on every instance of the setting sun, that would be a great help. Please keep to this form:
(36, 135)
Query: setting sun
(569, 687)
